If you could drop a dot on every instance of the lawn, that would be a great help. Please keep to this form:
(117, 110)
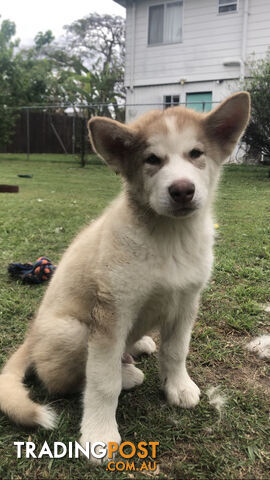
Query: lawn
(42, 219)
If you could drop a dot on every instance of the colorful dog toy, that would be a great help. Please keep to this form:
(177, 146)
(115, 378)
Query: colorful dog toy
(37, 272)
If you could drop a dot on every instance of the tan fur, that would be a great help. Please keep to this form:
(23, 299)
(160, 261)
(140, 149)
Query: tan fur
(141, 265)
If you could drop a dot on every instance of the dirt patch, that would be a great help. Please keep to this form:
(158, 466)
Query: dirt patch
(250, 373)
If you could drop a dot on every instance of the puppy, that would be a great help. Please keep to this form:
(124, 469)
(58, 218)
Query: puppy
(141, 265)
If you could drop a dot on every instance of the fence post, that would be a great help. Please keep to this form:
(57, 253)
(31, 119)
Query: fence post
(28, 133)
(82, 142)
(73, 135)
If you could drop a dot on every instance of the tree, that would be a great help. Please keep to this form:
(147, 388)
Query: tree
(86, 68)
(42, 39)
(257, 135)
(27, 77)
(41, 85)
(7, 79)
(91, 61)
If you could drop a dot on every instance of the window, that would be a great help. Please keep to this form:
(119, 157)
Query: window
(227, 6)
(171, 101)
(165, 23)
(201, 102)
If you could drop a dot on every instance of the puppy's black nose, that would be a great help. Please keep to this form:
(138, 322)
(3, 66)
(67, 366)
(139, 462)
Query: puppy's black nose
(182, 191)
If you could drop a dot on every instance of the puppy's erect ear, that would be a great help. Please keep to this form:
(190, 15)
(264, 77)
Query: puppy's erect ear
(112, 141)
(227, 122)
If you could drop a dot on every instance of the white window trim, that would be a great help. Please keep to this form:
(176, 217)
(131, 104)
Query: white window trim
(229, 12)
(148, 13)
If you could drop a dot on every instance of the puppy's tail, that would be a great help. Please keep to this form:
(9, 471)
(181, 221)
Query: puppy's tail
(14, 398)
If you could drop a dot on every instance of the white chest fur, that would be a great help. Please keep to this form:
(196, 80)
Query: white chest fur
(169, 260)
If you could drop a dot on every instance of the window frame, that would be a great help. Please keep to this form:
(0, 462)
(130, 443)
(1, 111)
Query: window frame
(231, 2)
(164, 4)
(172, 104)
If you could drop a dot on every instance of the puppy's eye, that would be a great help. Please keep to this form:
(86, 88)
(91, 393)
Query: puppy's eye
(153, 160)
(195, 153)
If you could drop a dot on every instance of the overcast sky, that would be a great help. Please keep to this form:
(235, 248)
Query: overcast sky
(33, 16)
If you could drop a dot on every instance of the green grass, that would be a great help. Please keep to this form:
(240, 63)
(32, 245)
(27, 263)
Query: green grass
(50, 158)
(194, 444)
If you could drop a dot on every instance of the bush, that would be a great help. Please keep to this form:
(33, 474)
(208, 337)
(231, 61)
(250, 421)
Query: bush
(257, 134)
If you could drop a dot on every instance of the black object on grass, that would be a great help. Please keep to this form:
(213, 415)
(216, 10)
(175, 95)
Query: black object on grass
(9, 188)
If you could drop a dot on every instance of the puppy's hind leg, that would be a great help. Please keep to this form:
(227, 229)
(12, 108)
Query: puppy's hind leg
(131, 375)
(145, 345)
(59, 355)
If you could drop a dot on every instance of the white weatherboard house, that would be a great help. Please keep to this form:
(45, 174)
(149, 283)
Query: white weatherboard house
(191, 52)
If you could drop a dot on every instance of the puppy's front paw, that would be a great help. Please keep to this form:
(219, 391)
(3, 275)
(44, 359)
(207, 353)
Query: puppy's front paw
(183, 393)
(144, 345)
(106, 437)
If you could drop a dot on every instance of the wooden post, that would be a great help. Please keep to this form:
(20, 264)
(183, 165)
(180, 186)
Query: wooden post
(73, 134)
(28, 133)
(9, 188)
(82, 142)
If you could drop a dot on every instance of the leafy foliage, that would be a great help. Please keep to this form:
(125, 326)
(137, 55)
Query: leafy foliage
(9, 74)
(258, 132)
(92, 59)
(86, 67)
(27, 77)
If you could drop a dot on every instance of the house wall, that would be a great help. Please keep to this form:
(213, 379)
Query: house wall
(142, 99)
(208, 38)
(258, 38)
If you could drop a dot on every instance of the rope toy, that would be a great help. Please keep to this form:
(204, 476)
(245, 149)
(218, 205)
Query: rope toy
(37, 272)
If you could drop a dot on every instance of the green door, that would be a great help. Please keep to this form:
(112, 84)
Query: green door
(201, 102)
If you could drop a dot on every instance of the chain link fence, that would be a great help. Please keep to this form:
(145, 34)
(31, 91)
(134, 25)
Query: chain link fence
(63, 129)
